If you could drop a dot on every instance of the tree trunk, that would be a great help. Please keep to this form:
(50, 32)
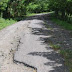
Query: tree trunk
(1, 14)
(63, 15)
(56, 13)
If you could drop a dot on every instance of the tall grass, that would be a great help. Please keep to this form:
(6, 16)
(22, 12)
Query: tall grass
(67, 55)
(64, 24)
(6, 22)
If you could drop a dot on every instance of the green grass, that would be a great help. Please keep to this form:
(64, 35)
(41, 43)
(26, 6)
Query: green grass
(32, 14)
(55, 47)
(64, 24)
(67, 55)
(6, 22)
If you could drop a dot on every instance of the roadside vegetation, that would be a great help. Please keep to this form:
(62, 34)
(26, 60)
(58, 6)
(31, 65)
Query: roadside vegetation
(5, 22)
(63, 17)
(67, 55)
(63, 24)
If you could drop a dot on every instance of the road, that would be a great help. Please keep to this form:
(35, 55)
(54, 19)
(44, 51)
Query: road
(23, 48)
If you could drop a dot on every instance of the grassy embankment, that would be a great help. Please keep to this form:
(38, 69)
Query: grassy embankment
(5, 22)
(64, 24)
(66, 54)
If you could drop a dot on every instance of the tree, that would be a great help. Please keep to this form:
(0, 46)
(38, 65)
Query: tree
(69, 7)
(38, 6)
(16, 8)
(62, 8)
(3, 5)
(58, 5)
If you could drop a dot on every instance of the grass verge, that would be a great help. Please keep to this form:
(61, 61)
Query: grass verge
(55, 47)
(6, 22)
(67, 55)
(32, 14)
(64, 24)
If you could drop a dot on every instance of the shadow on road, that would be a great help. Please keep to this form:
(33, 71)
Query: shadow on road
(52, 56)
(50, 38)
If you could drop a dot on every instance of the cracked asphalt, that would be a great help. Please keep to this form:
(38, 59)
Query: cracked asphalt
(23, 48)
(9, 41)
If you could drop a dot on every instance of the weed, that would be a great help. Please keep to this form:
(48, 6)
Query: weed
(64, 24)
(55, 47)
(5, 22)
(67, 55)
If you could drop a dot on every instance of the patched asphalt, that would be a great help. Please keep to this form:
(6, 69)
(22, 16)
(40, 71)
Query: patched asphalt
(35, 53)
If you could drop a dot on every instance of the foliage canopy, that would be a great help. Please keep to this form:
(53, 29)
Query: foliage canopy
(18, 8)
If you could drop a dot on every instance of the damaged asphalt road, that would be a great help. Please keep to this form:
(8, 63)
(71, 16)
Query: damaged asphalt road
(23, 48)
(9, 42)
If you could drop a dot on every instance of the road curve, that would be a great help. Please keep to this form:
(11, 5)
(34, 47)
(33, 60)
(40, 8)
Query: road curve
(24, 48)
(33, 52)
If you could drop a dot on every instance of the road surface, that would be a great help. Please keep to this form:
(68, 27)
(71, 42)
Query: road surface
(23, 48)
